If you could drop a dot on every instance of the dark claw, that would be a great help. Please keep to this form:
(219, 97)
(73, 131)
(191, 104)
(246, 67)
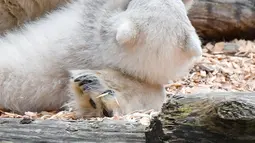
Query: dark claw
(80, 78)
(93, 104)
(77, 80)
(107, 113)
(85, 81)
(109, 92)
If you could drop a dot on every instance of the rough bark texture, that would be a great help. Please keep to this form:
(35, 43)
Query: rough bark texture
(224, 19)
(201, 118)
(14, 13)
(50, 131)
(205, 118)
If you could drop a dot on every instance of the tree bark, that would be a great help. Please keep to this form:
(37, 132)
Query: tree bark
(200, 118)
(53, 131)
(14, 13)
(224, 19)
(205, 118)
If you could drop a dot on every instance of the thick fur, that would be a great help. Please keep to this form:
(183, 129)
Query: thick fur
(128, 95)
(144, 43)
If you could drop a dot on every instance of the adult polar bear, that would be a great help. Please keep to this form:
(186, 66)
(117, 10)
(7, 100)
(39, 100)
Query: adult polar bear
(123, 49)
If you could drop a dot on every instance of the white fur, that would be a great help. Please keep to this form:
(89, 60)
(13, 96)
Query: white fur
(35, 60)
(164, 45)
(188, 4)
(126, 32)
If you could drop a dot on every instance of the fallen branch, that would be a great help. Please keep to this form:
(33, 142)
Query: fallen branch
(205, 117)
(208, 118)
(14, 13)
(26, 130)
(224, 19)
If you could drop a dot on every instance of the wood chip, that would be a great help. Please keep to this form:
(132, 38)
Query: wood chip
(224, 67)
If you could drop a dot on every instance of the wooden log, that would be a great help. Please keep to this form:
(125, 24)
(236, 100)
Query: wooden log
(17, 130)
(205, 118)
(14, 13)
(200, 118)
(224, 19)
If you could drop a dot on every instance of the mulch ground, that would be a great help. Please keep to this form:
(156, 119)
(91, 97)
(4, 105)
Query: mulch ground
(225, 66)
